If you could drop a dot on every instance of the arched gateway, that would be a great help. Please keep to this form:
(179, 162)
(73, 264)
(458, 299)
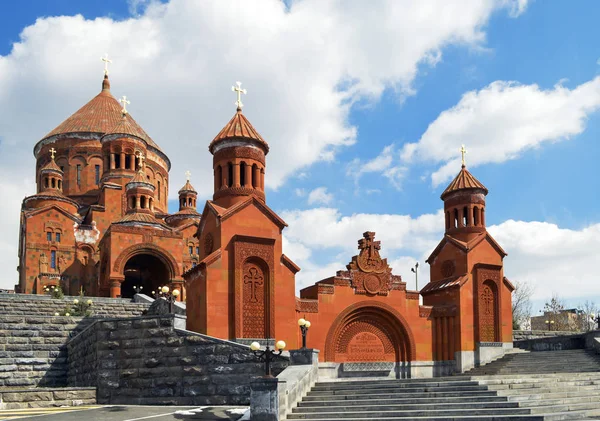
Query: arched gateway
(369, 332)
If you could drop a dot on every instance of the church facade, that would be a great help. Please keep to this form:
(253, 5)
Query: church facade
(99, 222)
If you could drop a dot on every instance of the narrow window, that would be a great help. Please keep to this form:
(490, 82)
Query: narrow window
(465, 216)
(78, 174)
(62, 168)
(191, 249)
(58, 237)
(97, 174)
(143, 202)
(53, 259)
(46, 182)
(49, 236)
(117, 160)
(132, 203)
(59, 185)
(455, 218)
(53, 183)
(476, 216)
(127, 161)
(243, 174)
(158, 190)
(254, 171)
(198, 250)
(229, 174)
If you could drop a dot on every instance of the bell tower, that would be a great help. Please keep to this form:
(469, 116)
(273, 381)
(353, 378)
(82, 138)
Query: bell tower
(464, 205)
(238, 159)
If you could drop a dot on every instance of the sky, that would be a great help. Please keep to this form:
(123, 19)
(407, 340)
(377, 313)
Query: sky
(365, 106)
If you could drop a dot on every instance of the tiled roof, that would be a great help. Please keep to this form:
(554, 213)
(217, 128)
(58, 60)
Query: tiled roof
(140, 177)
(143, 218)
(51, 166)
(187, 187)
(100, 115)
(464, 180)
(444, 283)
(126, 126)
(238, 127)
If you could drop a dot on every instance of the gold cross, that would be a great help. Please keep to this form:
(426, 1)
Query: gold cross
(140, 158)
(52, 152)
(238, 89)
(124, 102)
(188, 174)
(106, 60)
(463, 151)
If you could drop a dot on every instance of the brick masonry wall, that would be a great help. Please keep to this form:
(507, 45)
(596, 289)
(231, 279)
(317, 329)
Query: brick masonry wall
(146, 360)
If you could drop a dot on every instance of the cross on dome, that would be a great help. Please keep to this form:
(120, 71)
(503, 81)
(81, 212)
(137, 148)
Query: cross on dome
(52, 152)
(463, 152)
(106, 60)
(124, 101)
(239, 91)
(188, 174)
(140, 158)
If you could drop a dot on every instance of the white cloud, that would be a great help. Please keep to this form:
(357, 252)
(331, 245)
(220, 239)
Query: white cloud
(300, 192)
(319, 196)
(501, 121)
(384, 163)
(303, 67)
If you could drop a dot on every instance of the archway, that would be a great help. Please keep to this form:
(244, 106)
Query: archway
(144, 270)
(369, 332)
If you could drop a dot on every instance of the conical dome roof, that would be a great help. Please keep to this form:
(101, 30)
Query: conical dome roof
(187, 188)
(463, 181)
(51, 166)
(126, 126)
(238, 127)
(139, 180)
(100, 115)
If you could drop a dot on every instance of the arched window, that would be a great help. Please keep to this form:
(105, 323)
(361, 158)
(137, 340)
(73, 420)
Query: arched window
(158, 182)
(190, 201)
(455, 218)
(46, 182)
(132, 203)
(243, 174)
(53, 182)
(219, 176)
(254, 174)
(229, 174)
(476, 216)
(143, 202)
(465, 216)
(59, 184)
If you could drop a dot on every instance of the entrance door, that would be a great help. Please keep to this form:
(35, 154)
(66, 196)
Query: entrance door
(144, 270)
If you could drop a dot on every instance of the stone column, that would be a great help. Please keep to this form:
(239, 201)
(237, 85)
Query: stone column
(122, 166)
(470, 219)
(115, 288)
(445, 332)
(264, 399)
(236, 175)
(262, 179)
(256, 178)
(112, 161)
(137, 202)
(248, 175)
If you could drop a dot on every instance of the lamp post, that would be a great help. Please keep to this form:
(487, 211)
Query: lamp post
(550, 323)
(165, 293)
(304, 325)
(415, 270)
(268, 355)
(138, 289)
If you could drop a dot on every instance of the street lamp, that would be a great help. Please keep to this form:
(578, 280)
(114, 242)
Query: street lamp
(138, 289)
(268, 355)
(170, 296)
(304, 325)
(550, 323)
(415, 270)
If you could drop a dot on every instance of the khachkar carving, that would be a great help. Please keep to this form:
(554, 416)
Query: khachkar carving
(254, 301)
(370, 273)
(487, 315)
(43, 263)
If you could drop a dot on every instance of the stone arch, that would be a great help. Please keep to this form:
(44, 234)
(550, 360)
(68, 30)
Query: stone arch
(374, 319)
(151, 249)
(488, 312)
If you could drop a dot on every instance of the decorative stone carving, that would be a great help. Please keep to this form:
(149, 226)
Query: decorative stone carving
(369, 259)
(253, 325)
(43, 263)
(487, 302)
(487, 312)
(208, 244)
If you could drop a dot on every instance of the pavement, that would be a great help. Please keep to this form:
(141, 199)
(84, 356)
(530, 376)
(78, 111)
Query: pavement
(127, 413)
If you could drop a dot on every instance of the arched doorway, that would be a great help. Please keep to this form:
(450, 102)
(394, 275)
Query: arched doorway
(369, 332)
(144, 270)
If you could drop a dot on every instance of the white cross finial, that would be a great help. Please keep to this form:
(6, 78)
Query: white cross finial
(124, 102)
(106, 60)
(140, 158)
(188, 174)
(463, 151)
(238, 89)
(52, 152)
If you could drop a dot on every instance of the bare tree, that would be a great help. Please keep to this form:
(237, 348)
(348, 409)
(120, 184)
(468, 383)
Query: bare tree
(521, 304)
(587, 313)
(557, 317)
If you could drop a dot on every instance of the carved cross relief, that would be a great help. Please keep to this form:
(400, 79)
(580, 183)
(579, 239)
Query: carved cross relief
(255, 279)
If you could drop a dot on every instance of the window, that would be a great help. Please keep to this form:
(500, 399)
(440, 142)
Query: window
(58, 237)
(53, 259)
(62, 168)
(194, 264)
(97, 174)
(158, 190)
(229, 174)
(78, 174)
(198, 250)
(243, 174)
(191, 249)
(49, 236)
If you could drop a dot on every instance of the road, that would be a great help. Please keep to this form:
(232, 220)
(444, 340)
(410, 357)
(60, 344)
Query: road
(126, 413)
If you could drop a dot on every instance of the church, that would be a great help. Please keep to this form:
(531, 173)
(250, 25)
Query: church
(99, 223)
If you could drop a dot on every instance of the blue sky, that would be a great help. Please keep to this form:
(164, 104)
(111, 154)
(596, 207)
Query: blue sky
(543, 189)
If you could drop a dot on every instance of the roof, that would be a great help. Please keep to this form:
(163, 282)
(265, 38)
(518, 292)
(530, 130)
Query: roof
(141, 218)
(51, 166)
(463, 181)
(187, 188)
(126, 126)
(100, 115)
(223, 213)
(466, 247)
(238, 127)
(438, 285)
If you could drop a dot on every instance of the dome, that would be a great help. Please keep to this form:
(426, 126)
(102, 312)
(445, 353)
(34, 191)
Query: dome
(238, 127)
(463, 181)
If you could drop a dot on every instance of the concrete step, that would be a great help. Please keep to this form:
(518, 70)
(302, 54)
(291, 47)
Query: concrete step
(400, 390)
(393, 384)
(373, 407)
(376, 400)
(387, 395)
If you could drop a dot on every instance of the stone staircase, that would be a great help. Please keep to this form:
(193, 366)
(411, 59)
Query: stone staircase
(566, 394)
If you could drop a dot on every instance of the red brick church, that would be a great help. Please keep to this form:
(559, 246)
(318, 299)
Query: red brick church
(99, 222)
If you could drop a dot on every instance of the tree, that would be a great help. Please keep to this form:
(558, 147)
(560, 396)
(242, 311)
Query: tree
(521, 304)
(557, 318)
(588, 311)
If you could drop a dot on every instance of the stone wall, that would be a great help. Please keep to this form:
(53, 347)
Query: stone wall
(556, 343)
(33, 349)
(520, 335)
(147, 360)
(46, 398)
(44, 305)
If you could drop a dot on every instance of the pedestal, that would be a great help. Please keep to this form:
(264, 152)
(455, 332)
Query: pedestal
(264, 399)
(304, 356)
